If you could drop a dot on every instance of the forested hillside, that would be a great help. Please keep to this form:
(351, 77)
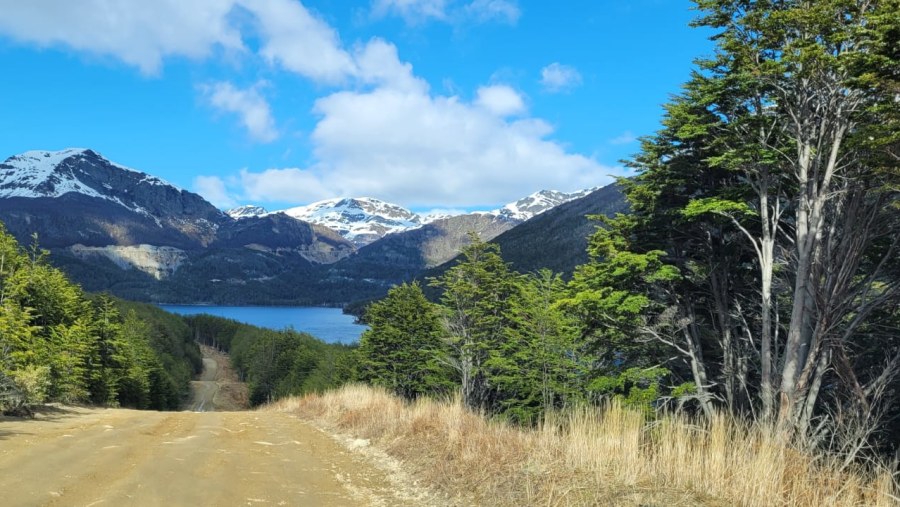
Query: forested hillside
(59, 344)
(557, 239)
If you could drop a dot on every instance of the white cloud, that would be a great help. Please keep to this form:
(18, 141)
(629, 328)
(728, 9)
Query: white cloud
(396, 140)
(413, 11)
(299, 42)
(138, 33)
(558, 78)
(285, 185)
(213, 189)
(491, 10)
(419, 11)
(500, 100)
(144, 33)
(421, 150)
(377, 63)
(250, 106)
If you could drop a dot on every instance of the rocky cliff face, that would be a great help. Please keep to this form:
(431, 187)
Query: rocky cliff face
(157, 261)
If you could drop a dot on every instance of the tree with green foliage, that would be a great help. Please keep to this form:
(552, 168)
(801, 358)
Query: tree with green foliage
(795, 84)
(403, 349)
(542, 363)
(57, 344)
(68, 368)
(475, 295)
(772, 195)
(515, 350)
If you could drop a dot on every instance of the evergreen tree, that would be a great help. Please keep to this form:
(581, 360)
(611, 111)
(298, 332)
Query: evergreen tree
(772, 195)
(542, 364)
(106, 359)
(68, 360)
(56, 344)
(403, 348)
(475, 297)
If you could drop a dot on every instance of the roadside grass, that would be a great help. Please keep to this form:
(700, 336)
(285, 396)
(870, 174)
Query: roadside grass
(608, 456)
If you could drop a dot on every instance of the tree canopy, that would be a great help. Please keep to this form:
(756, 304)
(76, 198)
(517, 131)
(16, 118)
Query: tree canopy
(59, 344)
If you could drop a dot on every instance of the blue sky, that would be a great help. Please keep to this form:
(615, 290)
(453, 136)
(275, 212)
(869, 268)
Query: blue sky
(454, 104)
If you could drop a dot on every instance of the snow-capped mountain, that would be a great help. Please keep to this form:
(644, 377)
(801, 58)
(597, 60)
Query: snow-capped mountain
(81, 202)
(36, 174)
(361, 220)
(539, 202)
(119, 229)
(77, 196)
(247, 211)
(364, 220)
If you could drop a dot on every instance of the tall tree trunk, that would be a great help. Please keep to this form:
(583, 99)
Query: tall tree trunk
(815, 176)
(698, 365)
(766, 254)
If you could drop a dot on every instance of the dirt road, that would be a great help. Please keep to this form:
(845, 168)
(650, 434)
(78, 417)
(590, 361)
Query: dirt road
(218, 388)
(88, 457)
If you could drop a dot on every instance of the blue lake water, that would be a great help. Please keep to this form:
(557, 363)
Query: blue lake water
(327, 324)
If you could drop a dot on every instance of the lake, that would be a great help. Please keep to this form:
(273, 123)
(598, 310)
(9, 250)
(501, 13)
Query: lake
(328, 324)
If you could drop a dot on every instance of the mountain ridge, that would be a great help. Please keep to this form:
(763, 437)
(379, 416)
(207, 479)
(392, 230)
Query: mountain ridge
(118, 229)
(363, 220)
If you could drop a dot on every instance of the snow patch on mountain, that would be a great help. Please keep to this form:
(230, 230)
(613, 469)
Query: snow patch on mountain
(247, 211)
(538, 202)
(361, 220)
(38, 173)
(33, 174)
(440, 214)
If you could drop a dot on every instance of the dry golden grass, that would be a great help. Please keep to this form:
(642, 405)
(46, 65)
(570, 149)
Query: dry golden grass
(610, 456)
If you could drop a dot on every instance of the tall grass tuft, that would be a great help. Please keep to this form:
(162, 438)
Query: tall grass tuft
(602, 456)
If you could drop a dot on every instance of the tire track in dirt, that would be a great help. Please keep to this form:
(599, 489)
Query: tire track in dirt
(218, 388)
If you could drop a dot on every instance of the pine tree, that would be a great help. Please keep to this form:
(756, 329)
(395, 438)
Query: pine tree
(475, 297)
(541, 365)
(403, 348)
(106, 359)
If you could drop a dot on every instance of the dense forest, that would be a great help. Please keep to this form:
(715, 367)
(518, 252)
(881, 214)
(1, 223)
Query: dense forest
(275, 364)
(58, 343)
(757, 274)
